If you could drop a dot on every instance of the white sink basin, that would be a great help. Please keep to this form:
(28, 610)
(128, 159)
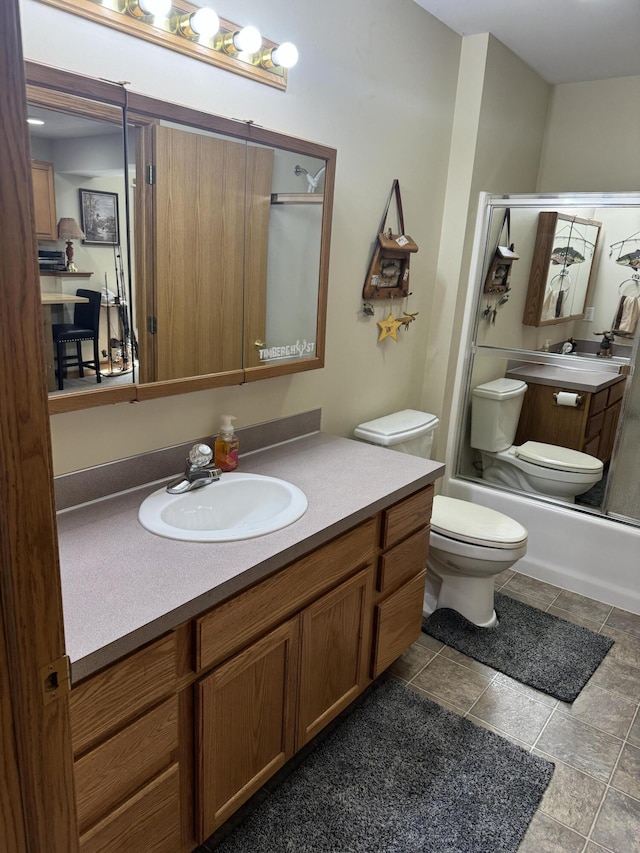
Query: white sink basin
(237, 506)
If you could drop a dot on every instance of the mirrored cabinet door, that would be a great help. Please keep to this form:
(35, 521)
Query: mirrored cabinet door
(79, 186)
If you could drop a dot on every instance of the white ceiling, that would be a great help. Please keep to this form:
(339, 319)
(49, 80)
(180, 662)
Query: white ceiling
(565, 41)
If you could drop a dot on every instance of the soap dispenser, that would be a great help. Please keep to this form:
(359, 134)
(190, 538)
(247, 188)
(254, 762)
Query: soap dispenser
(226, 445)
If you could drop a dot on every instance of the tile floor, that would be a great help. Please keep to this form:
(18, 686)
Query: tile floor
(593, 802)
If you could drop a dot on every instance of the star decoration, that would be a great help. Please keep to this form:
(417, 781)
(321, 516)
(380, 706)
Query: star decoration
(389, 328)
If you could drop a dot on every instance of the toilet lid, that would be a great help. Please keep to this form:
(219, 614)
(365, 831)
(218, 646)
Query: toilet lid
(397, 427)
(475, 524)
(559, 458)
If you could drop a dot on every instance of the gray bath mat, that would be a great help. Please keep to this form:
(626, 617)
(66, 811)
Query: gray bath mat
(534, 647)
(400, 775)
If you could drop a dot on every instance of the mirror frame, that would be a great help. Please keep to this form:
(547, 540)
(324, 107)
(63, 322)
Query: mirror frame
(49, 86)
(482, 251)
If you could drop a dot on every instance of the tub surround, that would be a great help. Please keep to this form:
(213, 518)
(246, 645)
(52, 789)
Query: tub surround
(123, 586)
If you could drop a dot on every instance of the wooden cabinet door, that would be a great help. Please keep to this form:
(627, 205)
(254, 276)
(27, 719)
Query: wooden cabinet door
(335, 648)
(199, 211)
(245, 724)
(44, 200)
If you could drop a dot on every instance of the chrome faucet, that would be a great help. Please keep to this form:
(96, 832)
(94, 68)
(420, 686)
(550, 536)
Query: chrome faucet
(199, 471)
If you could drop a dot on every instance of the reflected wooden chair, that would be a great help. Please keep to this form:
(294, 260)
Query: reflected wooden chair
(85, 327)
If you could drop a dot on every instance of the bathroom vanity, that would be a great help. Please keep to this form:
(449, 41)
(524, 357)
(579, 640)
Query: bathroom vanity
(589, 427)
(199, 669)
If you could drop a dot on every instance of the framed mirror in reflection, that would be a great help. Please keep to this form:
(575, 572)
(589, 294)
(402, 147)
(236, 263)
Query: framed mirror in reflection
(221, 273)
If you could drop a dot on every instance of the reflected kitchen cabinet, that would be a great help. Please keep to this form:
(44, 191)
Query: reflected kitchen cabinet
(44, 200)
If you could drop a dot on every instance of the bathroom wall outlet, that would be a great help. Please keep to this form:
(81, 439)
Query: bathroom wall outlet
(588, 313)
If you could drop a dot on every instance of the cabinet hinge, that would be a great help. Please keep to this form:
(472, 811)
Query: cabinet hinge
(151, 174)
(152, 325)
(55, 678)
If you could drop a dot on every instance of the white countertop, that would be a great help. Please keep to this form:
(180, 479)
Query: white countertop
(123, 586)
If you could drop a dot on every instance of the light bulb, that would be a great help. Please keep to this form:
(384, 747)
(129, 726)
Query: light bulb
(286, 55)
(204, 22)
(248, 40)
(158, 8)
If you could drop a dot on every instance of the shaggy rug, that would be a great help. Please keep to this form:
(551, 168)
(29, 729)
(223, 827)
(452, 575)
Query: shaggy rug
(534, 647)
(400, 775)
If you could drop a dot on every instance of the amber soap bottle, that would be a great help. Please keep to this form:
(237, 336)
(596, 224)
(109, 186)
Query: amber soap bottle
(226, 445)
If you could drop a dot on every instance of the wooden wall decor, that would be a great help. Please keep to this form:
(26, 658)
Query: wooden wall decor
(499, 274)
(388, 273)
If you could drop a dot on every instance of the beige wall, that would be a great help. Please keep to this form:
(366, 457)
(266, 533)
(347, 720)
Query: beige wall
(593, 138)
(376, 80)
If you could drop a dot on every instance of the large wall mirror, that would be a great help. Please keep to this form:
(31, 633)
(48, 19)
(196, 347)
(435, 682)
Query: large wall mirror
(577, 366)
(207, 240)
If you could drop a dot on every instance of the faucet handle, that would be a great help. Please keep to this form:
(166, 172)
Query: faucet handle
(200, 455)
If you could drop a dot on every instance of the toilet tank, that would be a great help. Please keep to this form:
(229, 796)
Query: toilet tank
(408, 431)
(495, 411)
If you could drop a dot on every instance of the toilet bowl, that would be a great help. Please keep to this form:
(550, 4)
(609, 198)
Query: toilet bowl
(545, 469)
(468, 544)
(534, 467)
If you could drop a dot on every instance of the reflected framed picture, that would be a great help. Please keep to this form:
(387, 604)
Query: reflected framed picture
(99, 217)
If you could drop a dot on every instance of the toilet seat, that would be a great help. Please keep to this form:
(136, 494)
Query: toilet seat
(471, 524)
(558, 458)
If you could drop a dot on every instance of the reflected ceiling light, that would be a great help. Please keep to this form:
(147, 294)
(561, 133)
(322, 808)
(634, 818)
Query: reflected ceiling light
(142, 8)
(285, 56)
(203, 23)
(34, 121)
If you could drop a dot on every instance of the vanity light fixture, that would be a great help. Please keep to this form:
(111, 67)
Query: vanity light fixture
(194, 31)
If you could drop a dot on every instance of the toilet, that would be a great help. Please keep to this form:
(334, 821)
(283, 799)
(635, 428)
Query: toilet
(534, 467)
(468, 544)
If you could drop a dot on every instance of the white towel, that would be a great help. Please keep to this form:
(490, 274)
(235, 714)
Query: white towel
(628, 314)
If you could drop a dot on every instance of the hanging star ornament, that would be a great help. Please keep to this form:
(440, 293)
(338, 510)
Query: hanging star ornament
(389, 328)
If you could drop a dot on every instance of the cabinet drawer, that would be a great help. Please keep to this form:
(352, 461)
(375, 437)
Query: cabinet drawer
(235, 623)
(107, 700)
(398, 623)
(404, 561)
(402, 519)
(598, 401)
(616, 392)
(118, 767)
(147, 823)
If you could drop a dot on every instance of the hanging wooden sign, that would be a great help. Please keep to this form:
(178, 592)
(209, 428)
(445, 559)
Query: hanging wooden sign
(498, 278)
(388, 273)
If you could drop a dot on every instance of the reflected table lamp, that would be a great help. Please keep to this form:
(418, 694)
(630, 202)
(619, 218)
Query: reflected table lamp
(68, 229)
